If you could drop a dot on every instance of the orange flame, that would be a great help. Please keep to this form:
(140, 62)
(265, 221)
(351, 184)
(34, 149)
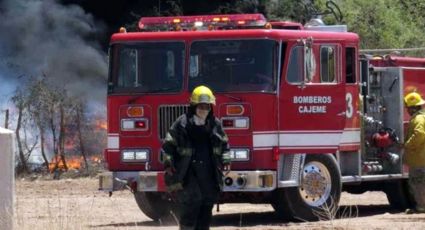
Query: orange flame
(101, 124)
(96, 159)
(72, 162)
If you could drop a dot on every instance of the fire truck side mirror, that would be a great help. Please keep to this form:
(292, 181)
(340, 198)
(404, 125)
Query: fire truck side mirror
(309, 60)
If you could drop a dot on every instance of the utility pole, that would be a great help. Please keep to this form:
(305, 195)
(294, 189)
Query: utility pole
(6, 119)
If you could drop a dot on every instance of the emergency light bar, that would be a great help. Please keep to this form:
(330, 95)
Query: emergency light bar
(202, 22)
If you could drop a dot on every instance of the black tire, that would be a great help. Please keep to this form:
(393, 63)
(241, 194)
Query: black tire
(317, 197)
(398, 194)
(280, 205)
(153, 205)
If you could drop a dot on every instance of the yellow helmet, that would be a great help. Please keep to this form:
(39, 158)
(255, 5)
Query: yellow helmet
(202, 94)
(413, 99)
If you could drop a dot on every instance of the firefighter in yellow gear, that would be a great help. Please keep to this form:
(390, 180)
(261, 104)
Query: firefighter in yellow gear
(195, 153)
(414, 149)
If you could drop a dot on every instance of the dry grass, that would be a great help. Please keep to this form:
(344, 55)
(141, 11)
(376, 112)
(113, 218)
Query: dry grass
(76, 204)
(329, 213)
(73, 204)
(54, 213)
(6, 221)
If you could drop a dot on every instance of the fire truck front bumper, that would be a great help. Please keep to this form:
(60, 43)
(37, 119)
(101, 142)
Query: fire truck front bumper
(234, 181)
(250, 181)
(140, 181)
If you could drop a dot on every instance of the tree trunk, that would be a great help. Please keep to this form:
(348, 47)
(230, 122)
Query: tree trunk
(43, 153)
(6, 119)
(61, 144)
(53, 129)
(80, 136)
(24, 166)
(59, 150)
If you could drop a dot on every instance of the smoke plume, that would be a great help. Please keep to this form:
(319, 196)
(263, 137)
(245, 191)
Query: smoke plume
(45, 38)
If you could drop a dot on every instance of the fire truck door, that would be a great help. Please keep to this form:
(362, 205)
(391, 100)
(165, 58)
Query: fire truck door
(350, 140)
(313, 101)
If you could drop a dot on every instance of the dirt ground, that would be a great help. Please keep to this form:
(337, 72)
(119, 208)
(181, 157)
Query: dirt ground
(76, 204)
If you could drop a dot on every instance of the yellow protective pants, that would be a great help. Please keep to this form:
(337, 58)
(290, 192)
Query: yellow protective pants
(417, 186)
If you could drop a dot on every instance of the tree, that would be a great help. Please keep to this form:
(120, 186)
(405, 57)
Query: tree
(38, 109)
(240, 7)
(20, 102)
(381, 23)
(26, 143)
(414, 9)
(287, 10)
(80, 120)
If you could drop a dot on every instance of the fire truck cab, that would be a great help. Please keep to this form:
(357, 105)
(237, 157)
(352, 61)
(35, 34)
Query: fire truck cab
(306, 116)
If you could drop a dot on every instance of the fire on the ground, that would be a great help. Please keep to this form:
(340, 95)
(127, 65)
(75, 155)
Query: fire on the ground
(71, 162)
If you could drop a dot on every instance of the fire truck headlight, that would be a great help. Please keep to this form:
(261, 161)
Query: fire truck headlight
(127, 155)
(239, 154)
(139, 124)
(241, 123)
(127, 124)
(142, 155)
(135, 155)
(235, 122)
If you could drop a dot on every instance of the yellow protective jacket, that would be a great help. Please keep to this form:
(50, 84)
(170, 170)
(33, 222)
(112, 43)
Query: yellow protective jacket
(414, 144)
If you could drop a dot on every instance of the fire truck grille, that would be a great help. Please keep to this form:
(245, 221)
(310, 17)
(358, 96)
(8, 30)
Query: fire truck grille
(167, 115)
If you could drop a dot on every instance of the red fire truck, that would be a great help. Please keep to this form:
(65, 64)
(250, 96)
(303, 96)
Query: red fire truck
(307, 116)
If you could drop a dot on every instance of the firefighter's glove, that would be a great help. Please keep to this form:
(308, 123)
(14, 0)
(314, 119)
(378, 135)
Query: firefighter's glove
(172, 196)
(171, 182)
(172, 191)
(226, 169)
(170, 171)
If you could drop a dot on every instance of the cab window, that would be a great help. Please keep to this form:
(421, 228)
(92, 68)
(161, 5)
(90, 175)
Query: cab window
(127, 74)
(295, 72)
(327, 64)
(350, 65)
(247, 65)
(147, 67)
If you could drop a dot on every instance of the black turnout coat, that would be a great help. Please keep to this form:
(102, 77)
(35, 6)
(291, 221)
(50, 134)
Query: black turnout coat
(178, 149)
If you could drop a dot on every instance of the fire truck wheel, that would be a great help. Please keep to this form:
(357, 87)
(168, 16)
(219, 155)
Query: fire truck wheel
(152, 204)
(398, 194)
(280, 205)
(318, 195)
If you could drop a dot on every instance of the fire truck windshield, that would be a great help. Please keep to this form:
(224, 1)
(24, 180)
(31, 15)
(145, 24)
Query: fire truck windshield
(147, 67)
(248, 65)
(234, 65)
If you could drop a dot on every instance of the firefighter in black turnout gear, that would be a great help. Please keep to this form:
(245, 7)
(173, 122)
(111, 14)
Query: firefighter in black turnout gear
(195, 153)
